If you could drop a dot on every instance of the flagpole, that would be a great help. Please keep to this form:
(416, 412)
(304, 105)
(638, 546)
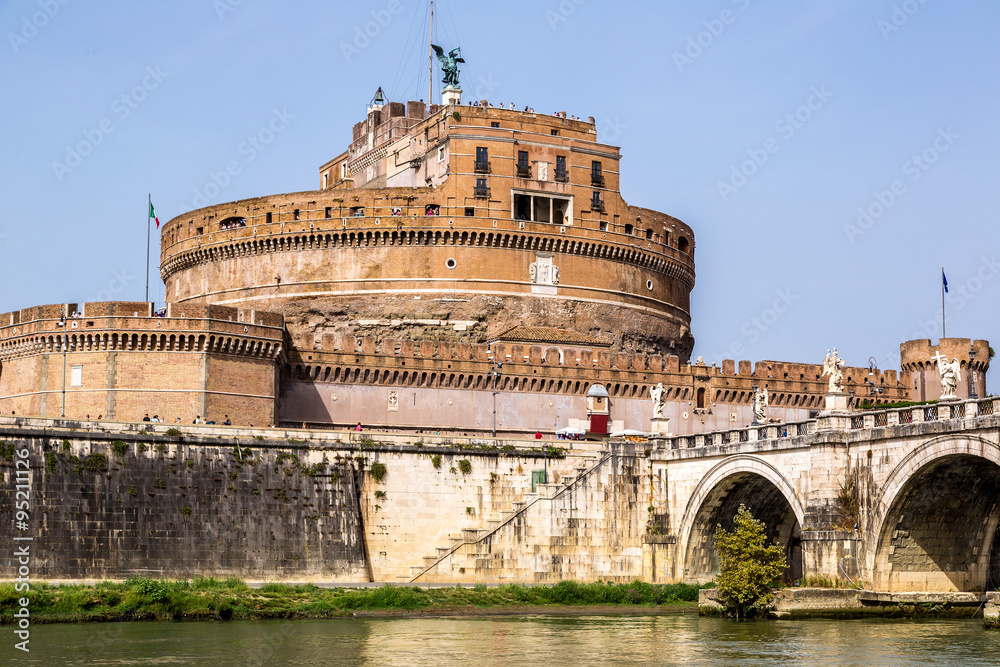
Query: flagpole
(943, 315)
(148, 209)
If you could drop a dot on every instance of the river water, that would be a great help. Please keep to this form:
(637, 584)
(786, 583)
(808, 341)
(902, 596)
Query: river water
(681, 639)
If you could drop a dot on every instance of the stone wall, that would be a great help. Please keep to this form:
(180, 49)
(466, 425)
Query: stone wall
(587, 528)
(119, 500)
(108, 506)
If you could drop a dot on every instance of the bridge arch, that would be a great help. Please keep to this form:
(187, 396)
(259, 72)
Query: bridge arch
(934, 522)
(747, 480)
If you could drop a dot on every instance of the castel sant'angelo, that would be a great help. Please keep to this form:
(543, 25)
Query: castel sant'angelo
(455, 261)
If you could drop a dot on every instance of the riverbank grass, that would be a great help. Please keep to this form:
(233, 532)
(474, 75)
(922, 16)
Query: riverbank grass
(142, 599)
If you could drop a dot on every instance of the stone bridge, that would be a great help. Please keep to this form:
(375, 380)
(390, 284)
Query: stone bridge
(903, 500)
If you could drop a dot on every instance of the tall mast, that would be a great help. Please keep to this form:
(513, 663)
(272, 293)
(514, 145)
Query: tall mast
(430, 65)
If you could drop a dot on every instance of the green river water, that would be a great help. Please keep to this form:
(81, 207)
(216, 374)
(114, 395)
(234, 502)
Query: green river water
(681, 639)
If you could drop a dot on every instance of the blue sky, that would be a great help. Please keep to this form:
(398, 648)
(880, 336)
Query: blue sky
(831, 157)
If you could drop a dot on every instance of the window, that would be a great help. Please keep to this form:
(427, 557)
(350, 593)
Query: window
(701, 398)
(597, 204)
(441, 154)
(397, 211)
(328, 213)
(326, 179)
(562, 175)
(596, 175)
(432, 209)
(358, 211)
(482, 160)
(649, 234)
(481, 189)
(76, 377)
(555, 133)
(295, 214)
(523, 166)
(495, 124)
(604, 225)
(268, 218)
(542, 208)
(470, 211)
(682, 244)
(199, 231)
(629, 228)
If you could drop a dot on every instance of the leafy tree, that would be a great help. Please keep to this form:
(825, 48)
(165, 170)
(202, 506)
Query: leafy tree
(747, 566)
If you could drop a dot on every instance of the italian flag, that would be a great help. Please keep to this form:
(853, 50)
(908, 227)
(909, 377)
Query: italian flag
(152, 214)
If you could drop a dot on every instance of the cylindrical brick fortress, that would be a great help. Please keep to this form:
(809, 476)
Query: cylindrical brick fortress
(408, 275)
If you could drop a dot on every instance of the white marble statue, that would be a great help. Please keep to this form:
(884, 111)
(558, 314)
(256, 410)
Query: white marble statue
(658, 394)
(951, 375)
(831, 366)
(760, 402)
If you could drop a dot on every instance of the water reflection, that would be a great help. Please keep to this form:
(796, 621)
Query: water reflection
(495, 642)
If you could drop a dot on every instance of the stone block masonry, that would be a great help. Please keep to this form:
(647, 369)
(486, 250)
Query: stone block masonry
(114, 501)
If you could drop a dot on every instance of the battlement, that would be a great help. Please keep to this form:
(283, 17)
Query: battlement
(918, 355)
(119, 315)
(563, 355)
(565, 369)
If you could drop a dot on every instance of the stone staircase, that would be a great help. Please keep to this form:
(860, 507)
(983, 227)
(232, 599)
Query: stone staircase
(466, 547)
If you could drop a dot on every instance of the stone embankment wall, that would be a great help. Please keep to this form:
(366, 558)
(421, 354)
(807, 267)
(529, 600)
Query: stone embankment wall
(588, 527)
(111, 501)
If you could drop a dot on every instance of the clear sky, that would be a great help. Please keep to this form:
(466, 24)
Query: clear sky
(830, 156)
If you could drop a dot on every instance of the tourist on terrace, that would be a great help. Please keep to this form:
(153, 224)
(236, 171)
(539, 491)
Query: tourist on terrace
(227, 422)
(146, 418)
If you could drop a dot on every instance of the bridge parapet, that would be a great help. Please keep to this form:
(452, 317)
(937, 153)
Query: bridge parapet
(849, 421)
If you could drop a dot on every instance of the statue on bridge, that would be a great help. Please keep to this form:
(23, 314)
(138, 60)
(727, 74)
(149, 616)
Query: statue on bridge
(832, 364)
(449, 64)
(658, 394)
(951, 375)
(761, 401)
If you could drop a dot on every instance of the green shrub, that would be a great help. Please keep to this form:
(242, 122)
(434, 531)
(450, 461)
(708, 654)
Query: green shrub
(173, 431)
(119, 447)
(378, 471)
(380, 495)
(436, 461)
(465, 466)
(748, 567)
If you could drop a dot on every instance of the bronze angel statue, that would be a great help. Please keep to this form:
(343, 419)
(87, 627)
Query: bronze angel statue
(449, 64)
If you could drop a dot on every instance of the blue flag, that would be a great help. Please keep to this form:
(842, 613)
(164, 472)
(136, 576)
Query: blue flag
(944, 280)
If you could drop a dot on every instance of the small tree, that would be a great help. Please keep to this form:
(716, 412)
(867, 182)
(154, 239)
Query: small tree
(747, 566)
